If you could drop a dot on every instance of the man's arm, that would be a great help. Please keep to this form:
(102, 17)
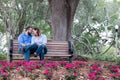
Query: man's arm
(21, 40)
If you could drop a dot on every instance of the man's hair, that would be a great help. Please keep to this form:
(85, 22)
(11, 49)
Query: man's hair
(27, 28)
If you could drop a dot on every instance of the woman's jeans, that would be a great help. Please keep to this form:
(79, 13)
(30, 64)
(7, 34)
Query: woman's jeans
(41, 50)
(28, 50)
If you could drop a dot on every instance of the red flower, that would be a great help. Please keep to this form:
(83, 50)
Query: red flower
(28, 70)
(18, 69)
(94, 73)
(75, 74)
(92, 76)
(79, 64)
(42, 62)
(11, 65)
(46, 72)
(99, 69)
(50, 74)
(4, 73)
(69, 66)
(62, 63)
(101, 78)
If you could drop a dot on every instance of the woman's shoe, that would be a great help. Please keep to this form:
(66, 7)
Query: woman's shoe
(35, 55)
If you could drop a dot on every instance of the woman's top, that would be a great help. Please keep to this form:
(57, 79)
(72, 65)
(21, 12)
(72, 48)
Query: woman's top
(41, 40)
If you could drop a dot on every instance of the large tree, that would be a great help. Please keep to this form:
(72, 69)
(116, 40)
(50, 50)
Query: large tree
(62, 17)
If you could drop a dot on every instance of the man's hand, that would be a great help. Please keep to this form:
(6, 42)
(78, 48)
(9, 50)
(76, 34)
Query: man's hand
(25, 44)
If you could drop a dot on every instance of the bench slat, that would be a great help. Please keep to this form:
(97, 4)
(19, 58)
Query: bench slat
(37, 58)
(49, 43)
(45, 55)
(48, 51)
(66, 44)
(57, 53)
(49, 48)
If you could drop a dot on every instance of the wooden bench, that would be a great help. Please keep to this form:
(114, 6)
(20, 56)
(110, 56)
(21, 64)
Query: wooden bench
(55, 48)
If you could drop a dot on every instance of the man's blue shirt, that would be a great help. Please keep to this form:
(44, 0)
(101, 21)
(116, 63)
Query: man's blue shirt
(24, 39)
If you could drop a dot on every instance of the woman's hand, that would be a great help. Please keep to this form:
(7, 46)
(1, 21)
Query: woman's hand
(38, 44)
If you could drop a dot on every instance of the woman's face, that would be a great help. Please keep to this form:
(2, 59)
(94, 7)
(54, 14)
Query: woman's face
(35, 32)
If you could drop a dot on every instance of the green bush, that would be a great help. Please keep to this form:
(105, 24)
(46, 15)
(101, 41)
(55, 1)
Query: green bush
(3, 56)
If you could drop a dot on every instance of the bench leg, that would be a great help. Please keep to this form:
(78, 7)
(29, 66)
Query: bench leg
(70, 59)
(11, 51)
(10, 58)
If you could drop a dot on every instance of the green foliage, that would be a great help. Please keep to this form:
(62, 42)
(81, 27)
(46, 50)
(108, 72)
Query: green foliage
(2, 29)
(92, 18)
(108, 56)
(118, 60)
(17, 14)
(3, 56)
(35, 14)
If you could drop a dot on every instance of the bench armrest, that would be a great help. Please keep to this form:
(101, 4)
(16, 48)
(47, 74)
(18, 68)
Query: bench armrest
(70, 47)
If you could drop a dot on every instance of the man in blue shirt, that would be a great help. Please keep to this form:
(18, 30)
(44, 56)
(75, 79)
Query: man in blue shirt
(24, 44)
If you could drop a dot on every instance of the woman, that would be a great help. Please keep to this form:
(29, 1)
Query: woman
(40, 40)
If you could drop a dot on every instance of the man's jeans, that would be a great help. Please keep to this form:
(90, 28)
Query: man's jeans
(27, 50)
(41, 50)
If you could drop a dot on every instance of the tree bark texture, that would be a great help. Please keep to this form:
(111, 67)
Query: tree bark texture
(62, 17)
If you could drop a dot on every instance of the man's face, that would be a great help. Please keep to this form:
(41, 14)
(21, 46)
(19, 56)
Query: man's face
(30, 31)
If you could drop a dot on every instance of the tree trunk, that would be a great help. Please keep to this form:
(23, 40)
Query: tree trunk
(62, 17)
(21, 22)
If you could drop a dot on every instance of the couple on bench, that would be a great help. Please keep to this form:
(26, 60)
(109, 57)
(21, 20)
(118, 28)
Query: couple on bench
(32, 42)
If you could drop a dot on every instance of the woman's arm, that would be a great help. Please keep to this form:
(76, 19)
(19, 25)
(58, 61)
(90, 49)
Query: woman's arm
(44, 40)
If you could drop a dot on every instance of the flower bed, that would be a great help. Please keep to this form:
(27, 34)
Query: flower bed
(58, 70)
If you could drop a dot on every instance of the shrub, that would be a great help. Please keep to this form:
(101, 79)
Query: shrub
(3, 56)
(118, 60)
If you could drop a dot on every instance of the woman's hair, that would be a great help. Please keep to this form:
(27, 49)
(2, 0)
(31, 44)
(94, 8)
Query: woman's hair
(38, 31)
